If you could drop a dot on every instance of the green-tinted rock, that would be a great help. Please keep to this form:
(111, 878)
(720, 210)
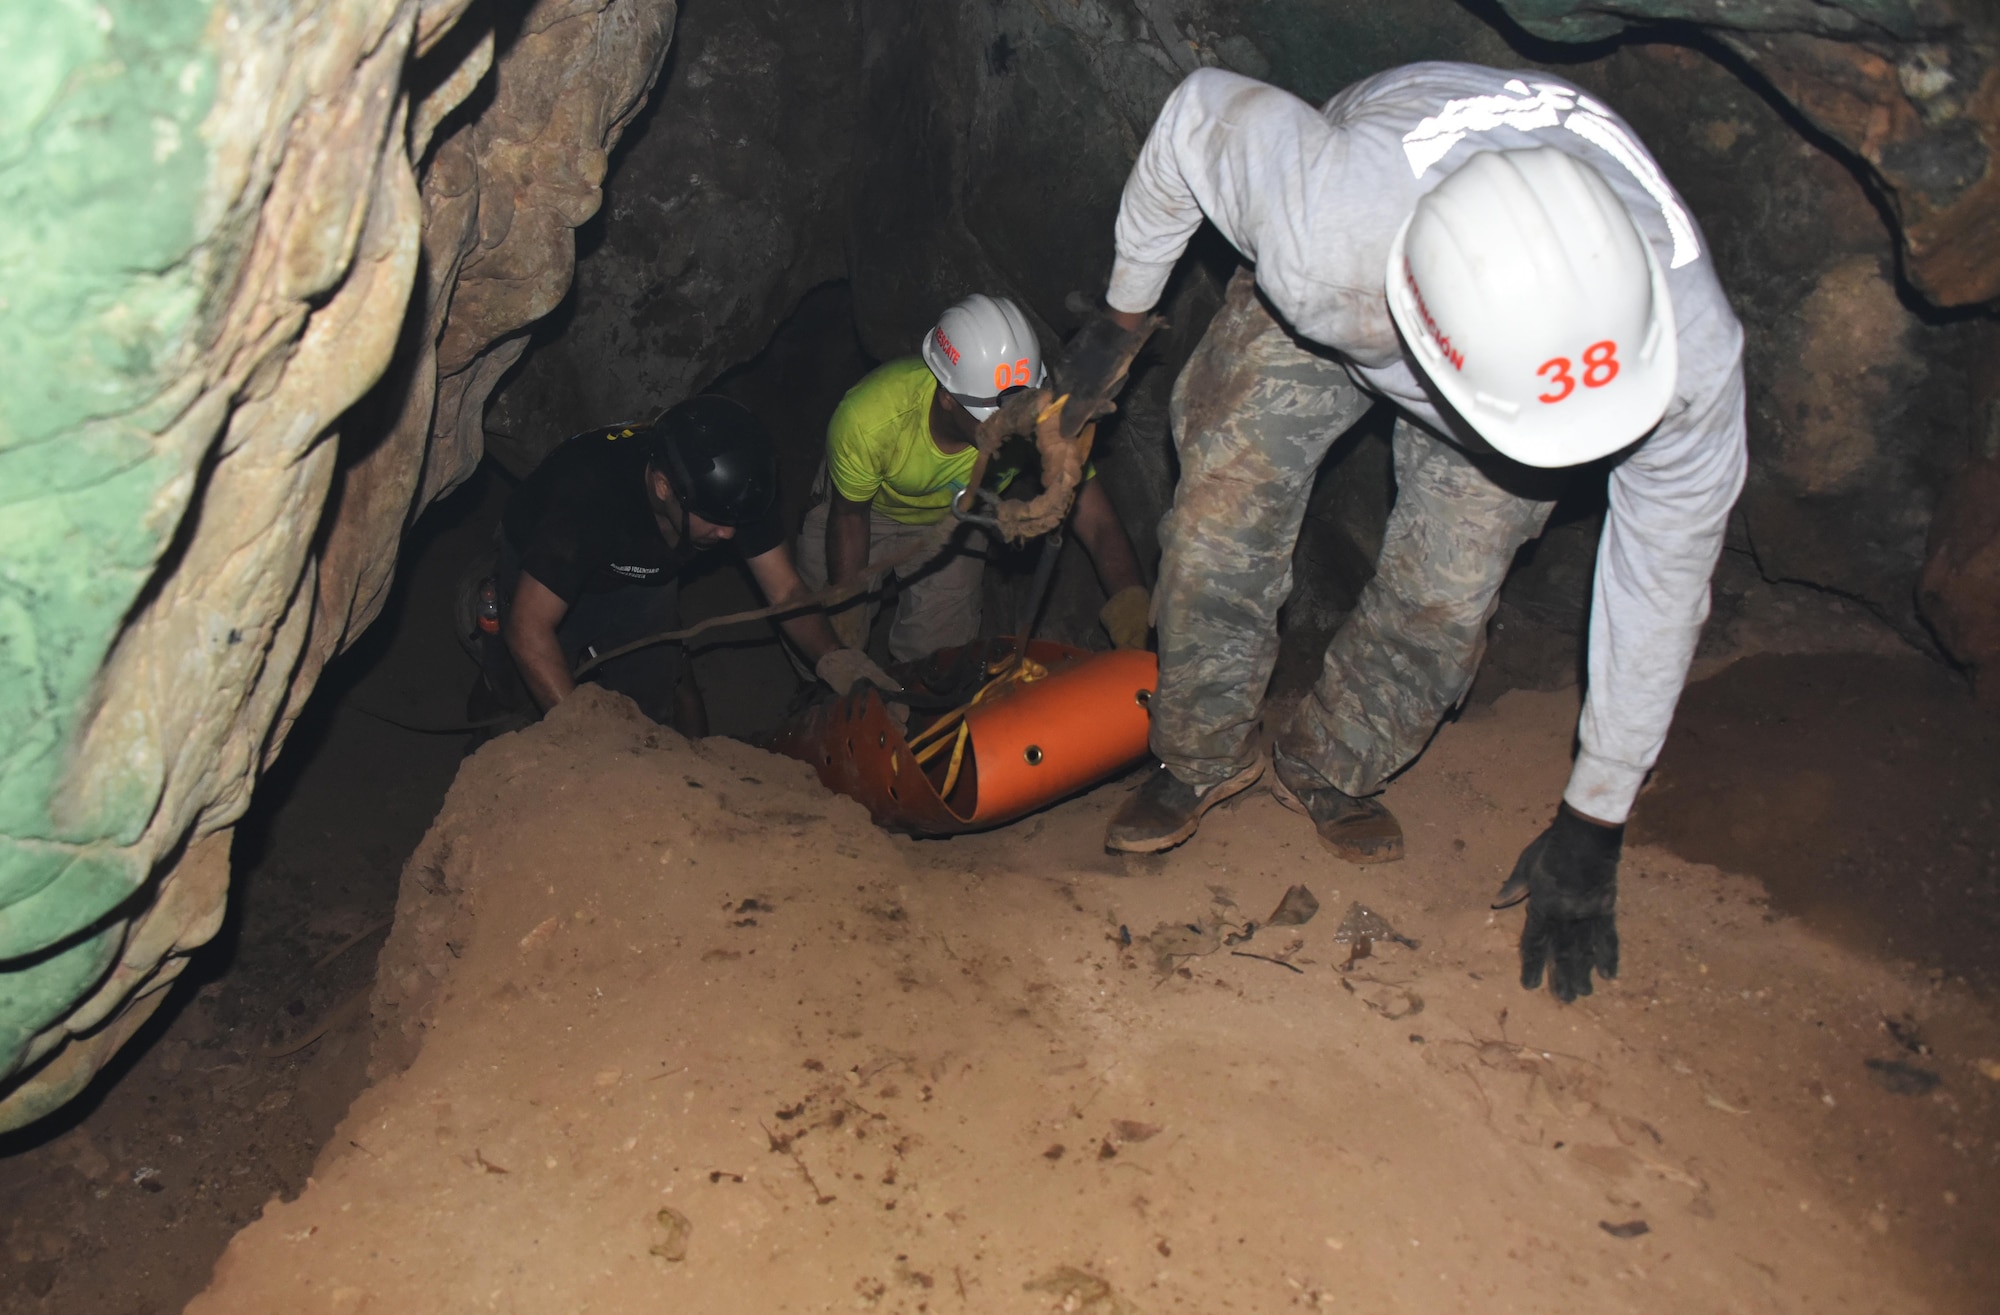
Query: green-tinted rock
(102, 170)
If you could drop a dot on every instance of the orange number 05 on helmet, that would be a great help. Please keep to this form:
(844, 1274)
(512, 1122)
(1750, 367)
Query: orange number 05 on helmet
(992, 349)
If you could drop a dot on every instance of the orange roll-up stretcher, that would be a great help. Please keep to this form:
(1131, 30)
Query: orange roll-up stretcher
(1029, 733)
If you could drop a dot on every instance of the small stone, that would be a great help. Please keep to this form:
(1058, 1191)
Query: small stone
(678, 1228)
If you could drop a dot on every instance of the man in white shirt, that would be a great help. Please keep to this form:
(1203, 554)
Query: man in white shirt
(1497, 255)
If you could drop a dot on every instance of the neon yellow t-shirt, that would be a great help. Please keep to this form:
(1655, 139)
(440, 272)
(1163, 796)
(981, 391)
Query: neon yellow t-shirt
(879, 447)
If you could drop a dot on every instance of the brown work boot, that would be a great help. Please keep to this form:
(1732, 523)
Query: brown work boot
(1356, 830)
(1166, 810)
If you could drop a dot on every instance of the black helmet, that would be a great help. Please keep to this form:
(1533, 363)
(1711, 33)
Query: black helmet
(719, 458)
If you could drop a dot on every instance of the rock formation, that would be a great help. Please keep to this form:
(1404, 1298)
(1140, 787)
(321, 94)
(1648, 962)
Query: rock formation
(222, 230)
(1960, 589)
(1910, 87)
(1864, 407)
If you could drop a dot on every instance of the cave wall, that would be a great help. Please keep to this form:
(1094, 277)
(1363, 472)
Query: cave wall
(1911, 88)
(1960, 588)
(1874, 433)
(728, 206)
(263, 263)
(1860, 400)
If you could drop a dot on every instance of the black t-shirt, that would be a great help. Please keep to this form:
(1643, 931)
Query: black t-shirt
(582, 524)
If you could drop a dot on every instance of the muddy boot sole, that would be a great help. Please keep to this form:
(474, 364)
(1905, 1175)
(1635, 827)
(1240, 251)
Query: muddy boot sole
(1228, 790)
(1369, 835)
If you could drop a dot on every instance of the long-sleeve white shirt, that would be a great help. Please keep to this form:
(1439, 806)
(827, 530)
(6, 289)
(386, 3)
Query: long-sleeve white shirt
(1315, 198)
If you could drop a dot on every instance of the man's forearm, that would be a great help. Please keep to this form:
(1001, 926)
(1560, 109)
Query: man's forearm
(783, 588)
(811, 634)
(538, 656)
(1103, 537)
(847, 541)
(1670, 505)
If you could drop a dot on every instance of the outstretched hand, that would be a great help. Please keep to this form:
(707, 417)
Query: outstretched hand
(1569, 876)
(844, 668)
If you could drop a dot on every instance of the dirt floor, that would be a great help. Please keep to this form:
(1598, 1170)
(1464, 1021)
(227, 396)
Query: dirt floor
(122, 1204)
(684, 1030)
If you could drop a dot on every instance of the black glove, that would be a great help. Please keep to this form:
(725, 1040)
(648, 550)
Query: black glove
(1092, 367)
(1569, 875)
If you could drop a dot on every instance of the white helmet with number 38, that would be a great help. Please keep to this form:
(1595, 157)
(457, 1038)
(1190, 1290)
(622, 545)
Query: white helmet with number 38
(1536, 307)
(982, 349)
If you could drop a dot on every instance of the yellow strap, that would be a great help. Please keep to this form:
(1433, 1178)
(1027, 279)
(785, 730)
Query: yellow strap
(957, 759)
(1025, 671)
(934, 748)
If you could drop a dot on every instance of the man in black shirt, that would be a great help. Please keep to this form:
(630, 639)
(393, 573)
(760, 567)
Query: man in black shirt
(595, 541)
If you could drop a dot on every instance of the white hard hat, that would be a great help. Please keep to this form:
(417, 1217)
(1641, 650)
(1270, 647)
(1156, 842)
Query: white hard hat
(1535, 307)
(982, 349)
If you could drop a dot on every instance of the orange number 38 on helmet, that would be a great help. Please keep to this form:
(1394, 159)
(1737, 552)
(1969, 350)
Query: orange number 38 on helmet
(1536, 308)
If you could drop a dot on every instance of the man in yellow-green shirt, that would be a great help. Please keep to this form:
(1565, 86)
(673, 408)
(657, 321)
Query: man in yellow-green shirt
(899, 449)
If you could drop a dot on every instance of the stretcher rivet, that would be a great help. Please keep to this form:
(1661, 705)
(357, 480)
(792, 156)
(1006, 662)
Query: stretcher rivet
(882, 740)
(1143, 698)
(1033, 754)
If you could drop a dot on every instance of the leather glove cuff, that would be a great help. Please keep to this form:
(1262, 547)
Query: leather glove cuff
(1584, 839)
(1570, 870)
(1575, 872)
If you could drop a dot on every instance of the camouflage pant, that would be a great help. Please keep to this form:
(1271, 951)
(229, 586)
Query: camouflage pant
(1255, 412)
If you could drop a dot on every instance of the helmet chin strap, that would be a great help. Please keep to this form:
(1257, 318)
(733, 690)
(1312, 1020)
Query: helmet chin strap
(673, 498)
(681, 506)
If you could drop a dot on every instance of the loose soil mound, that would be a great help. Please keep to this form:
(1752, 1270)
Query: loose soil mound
(684, 1032)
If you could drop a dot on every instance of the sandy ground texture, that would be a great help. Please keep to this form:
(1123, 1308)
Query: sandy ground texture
(683, 1032)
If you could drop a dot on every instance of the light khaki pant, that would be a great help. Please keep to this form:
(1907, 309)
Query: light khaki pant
(937, 600)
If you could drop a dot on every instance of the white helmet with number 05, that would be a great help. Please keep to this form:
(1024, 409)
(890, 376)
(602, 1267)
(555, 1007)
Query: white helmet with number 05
(982, 349)
(1536, 307)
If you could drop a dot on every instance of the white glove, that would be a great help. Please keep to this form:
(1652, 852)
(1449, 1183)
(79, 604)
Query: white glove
(844, 668)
